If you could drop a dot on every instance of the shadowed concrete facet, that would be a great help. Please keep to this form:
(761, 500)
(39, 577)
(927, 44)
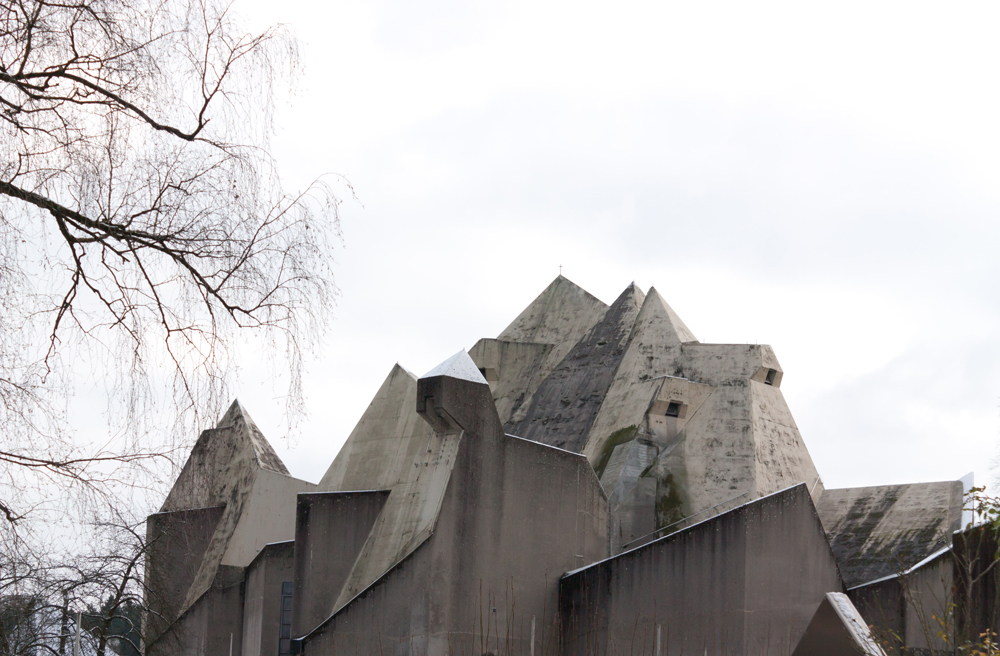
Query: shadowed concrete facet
(837, 629)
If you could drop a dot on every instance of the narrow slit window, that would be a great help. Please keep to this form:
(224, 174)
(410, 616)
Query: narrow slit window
(769, 379)
(285, 630)
(673, 409)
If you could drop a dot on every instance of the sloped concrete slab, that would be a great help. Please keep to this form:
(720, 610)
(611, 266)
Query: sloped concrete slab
(882, 530)
(562, 313)
(837, 629)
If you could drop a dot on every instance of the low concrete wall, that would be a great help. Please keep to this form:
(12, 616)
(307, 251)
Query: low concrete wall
(744, 582)
(913, 609)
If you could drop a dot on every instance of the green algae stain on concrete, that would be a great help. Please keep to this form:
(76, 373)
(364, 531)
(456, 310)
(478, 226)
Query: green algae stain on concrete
(618, 437)
(669, 504)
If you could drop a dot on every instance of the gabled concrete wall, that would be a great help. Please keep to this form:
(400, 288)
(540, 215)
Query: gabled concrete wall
(745, 582)
(515, 515)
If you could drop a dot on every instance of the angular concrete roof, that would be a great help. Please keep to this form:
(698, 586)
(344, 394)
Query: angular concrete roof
(648, 355)
(564, 406)
(561, 313)
(234, 466)
(883, 530)
(527, 351)
(661, 317)
(393, 448)
(219, 462)
(735, 438)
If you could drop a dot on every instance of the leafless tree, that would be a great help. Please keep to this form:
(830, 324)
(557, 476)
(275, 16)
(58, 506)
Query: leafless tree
(144, 227)
(45, 600)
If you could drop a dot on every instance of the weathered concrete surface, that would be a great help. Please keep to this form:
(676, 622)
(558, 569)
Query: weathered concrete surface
(177, 543)
(560, 316)
(564, 406)
(514, 516)
(230, 465)
(529, 348)
(883, 530)
(745, 582)
(268, 516)
(514, 371)
(883, 605)
(906, 610)
(212, 625)
(262, 599)
(837, 629)
(710, 425)
(233, 468)
(393, 448)
(383, 444)
(331, 529)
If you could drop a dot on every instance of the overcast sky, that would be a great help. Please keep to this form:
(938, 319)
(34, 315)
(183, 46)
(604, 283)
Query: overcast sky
(821, 180)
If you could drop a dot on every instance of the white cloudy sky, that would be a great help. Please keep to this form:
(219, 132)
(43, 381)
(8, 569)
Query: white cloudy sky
(819, 179)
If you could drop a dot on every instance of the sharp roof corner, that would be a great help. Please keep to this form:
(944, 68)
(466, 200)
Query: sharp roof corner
(458, 366)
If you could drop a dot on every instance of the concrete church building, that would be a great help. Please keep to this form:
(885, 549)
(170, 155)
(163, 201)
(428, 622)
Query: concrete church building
(593, 481)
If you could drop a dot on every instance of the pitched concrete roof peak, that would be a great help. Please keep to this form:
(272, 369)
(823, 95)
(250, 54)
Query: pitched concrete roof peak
(656, 310)
(563, 312)
(632, 296)
(237, 418)
(406, 371)
(458, 366)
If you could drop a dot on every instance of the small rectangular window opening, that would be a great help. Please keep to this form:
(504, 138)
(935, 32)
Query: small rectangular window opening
(673, 409)
(769, 379)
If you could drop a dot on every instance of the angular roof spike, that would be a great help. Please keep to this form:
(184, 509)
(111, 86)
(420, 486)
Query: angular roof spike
(458, 366)
(665, 316)
(237, 417)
